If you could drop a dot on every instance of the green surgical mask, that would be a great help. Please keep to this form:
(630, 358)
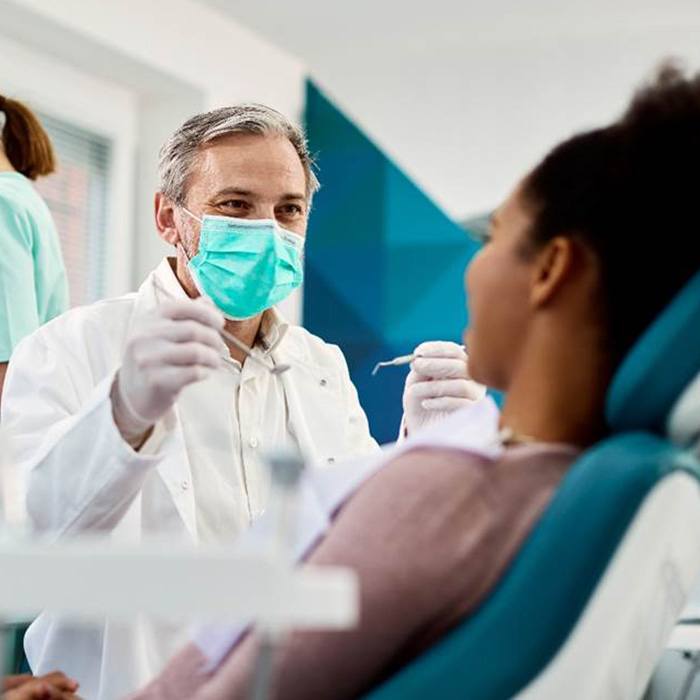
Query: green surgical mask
(246, 266)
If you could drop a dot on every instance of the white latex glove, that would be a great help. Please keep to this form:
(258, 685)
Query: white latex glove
(437, 385)
(177, 345)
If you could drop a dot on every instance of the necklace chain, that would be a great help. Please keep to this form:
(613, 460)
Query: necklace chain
(508, 437)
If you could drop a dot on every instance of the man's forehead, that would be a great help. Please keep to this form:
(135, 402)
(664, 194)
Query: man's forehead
(243, 161)
(272, 149)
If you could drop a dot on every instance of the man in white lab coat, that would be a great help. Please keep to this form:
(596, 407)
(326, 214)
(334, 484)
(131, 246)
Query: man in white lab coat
(133, 416)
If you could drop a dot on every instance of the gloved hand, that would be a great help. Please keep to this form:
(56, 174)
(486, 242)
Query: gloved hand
(178, 345)
(437, 385)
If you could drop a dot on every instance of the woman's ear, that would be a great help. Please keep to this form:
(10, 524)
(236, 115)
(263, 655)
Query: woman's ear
(165, 219)
(553, 266)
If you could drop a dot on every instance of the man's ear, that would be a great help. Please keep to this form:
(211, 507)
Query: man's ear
(554, 264)
(165, 219)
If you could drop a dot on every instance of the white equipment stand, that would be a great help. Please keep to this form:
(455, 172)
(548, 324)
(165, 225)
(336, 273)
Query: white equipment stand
(88, 578)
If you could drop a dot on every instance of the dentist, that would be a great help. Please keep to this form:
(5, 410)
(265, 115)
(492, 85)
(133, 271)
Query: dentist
(132, 416)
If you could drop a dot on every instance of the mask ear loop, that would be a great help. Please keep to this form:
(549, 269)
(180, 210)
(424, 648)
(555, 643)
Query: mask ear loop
(179, 245)
(193, 273)
(189, 213)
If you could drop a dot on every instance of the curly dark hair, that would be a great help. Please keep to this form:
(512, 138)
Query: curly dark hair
(631, 192)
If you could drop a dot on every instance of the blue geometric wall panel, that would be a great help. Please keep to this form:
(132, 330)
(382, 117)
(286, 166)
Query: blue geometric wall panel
(384, 264)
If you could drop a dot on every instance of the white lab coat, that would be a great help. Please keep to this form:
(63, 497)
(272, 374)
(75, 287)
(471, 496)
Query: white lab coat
(81, 475)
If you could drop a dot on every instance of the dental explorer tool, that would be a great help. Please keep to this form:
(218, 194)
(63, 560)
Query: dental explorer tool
(400, 360)
(252, 354)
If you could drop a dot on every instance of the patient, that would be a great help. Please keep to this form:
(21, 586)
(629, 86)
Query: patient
(585, 252)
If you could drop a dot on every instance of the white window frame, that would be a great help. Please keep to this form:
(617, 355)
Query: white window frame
(110, 110)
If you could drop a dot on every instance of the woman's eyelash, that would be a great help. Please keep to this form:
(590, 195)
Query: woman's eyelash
(479, 228)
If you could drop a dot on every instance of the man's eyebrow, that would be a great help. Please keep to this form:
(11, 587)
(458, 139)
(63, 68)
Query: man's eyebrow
(289, 196)
(234, 190)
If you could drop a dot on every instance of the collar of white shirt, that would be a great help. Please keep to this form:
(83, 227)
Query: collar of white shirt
(273, 327)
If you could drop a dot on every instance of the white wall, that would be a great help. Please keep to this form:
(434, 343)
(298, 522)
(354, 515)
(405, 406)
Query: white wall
(467, 94)
(185, 40)
(493, 112)
(169, 59)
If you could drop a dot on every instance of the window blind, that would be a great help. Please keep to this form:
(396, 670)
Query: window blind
(77, 195)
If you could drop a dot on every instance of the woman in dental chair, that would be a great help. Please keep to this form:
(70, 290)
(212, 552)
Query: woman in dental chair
(587, 250)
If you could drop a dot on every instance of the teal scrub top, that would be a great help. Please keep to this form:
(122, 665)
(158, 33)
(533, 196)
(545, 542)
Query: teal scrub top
(33, 284)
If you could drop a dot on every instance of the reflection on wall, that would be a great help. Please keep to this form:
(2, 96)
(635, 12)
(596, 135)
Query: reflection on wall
(384, 265)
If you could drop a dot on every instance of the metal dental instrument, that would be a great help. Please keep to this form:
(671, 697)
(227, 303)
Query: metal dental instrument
(398, 361)
(252, 354)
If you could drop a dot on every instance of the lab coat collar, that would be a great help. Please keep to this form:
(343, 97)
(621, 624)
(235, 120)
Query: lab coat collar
(276, 338)
(165, 276)
(273, 327)
(273, 330)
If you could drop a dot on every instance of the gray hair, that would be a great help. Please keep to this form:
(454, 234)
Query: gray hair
(180, 150)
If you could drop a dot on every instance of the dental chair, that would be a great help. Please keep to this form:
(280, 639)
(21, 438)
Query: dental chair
(586, 608)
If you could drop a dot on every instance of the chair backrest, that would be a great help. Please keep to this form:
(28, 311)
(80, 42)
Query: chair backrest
(659, 367)
(527, 618)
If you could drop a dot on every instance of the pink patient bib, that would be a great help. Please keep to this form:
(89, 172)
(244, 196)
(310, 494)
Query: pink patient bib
(323, 491)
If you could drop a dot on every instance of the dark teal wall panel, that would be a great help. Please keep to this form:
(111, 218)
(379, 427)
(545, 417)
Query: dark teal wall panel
(384, 264)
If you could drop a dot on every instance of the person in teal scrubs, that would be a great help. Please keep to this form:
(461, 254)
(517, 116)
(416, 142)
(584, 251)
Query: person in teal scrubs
(33, 284)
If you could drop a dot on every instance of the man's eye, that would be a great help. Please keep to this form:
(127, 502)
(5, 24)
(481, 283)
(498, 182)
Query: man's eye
(234, 204)
(291, 210)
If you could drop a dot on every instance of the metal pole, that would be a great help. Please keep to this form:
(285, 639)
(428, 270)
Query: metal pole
(261, 687)
(286, 470)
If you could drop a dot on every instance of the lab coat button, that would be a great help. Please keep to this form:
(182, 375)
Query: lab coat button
(185, 485)
(323, 382)
(331, 460)
(253, 442)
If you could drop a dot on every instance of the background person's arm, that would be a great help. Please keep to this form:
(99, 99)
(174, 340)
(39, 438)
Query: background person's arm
(19, 314)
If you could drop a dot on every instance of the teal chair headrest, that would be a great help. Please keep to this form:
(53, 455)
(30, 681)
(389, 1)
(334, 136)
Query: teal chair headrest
(658, 368)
